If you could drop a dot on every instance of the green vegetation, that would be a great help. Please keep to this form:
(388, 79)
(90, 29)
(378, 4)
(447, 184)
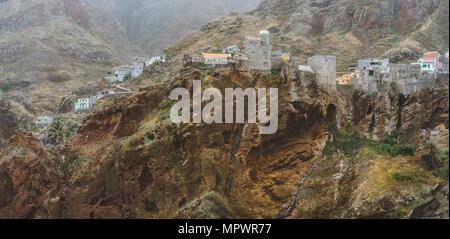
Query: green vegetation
(345, 140)
(59, 132)
(59, 78)
(414, 75)
(274, 75)
(442, 172)
(6, 86)
(170, 53)
(160, 79)
(350, 13)
(408, 177)
(373, 93)
(165, 109)
(348, 141)
(140, 78)
(393, 142)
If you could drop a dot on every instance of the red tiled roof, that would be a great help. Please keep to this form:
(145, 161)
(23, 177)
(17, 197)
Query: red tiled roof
(254, 38)
(218, 55)
(430, 55)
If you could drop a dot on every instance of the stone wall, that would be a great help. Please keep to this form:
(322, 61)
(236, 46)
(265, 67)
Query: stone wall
(325, 67)
(259, 52)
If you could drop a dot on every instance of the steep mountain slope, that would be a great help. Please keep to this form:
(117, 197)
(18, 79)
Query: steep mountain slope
(130, 161)
(49, 48)
(155, 24)
(348, 29)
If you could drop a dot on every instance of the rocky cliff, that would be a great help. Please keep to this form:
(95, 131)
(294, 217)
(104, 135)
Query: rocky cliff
(130, 161)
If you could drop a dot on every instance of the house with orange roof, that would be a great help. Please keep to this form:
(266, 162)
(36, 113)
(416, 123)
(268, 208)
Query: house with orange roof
(216, 58)
(430, 61)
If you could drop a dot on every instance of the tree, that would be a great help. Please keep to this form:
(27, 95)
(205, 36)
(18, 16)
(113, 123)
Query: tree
(431, 157)
(59, 132)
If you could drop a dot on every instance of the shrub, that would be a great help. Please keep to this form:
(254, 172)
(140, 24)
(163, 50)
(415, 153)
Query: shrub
(442, 172)
(274, 75)
(345, 140)
(403, 177)
(58, 77)
(394, 143)
(141, 77)
(159, 79)
(373, 93)
(6, 86)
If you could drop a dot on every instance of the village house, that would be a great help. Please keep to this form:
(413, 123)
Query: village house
(121, 72)
(285, 56)
(198, 59)
(102, 94)
(324, 67)
(216, 58)
(231, 49)
(136, 69)
(155, 59)
(372, 64)
(43, 121)
(430, 61)
(259, 51)
(85, 104)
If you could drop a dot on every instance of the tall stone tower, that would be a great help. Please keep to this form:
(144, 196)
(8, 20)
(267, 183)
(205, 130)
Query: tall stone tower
(259, 51)
(325, 66)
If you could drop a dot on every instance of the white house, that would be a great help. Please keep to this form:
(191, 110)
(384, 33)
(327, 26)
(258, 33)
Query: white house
(430, 61)
(137, 69)
(216, 58)
(43, 121)
(83, 105)
(231, 49)
(102, 94)
(121, 72)
(154, 59)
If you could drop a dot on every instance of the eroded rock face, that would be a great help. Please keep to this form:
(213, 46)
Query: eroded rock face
(30, 187)
(130, 161)
(9, 122)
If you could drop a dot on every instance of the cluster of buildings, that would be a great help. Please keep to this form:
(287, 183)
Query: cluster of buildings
(88, 103)
(371, 75)
(379, 75)
(132, 70)
(257, 55)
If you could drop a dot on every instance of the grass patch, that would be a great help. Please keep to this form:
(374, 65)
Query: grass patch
(394, 143)
(59, 78)
(442, 172)
(274, 75)
(408, 177)
(346, 140)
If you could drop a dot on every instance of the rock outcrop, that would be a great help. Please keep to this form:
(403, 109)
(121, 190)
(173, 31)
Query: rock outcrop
(130, 161)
